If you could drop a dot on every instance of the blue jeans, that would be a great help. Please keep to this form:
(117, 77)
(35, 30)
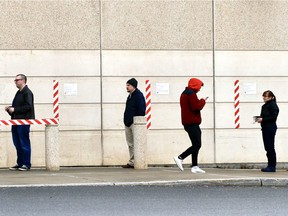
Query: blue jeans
(21, 140)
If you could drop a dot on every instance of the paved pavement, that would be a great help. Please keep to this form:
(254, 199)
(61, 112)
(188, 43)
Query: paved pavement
(117, 176)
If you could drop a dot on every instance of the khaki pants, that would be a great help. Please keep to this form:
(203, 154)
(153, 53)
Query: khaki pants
(130, 143)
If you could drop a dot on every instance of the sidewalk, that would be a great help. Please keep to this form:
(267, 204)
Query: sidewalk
(114, 176)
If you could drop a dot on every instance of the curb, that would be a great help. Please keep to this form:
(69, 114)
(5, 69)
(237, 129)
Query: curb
(256, 182)
(260, 182)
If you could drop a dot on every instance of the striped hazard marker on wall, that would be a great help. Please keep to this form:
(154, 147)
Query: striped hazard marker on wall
(236, 104)
(148, 102)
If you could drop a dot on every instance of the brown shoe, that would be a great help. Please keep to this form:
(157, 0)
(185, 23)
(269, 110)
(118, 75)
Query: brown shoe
(127, 166)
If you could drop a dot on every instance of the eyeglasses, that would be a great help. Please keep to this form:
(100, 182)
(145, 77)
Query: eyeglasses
(16, 80)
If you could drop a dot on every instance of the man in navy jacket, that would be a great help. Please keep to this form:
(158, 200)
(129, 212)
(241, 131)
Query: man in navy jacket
(22, 108)
(135, 106)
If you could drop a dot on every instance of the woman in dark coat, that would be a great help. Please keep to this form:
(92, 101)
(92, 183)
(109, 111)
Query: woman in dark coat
(267, 119)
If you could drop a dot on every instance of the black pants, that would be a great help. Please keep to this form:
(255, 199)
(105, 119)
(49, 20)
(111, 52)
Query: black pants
(268, 135)
(194, 133)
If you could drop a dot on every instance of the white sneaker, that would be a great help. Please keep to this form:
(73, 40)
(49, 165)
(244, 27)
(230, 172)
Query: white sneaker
(179, 163)
(196, 169)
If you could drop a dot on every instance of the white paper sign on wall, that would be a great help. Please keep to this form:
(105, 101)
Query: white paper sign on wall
(250, 88)
(70, 89)
(162, 88)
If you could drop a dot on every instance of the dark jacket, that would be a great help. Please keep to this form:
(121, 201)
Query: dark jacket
(135, 106)
(269, 113)
(23, 104)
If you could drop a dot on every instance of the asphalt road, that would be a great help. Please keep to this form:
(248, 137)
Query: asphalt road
(143, 200)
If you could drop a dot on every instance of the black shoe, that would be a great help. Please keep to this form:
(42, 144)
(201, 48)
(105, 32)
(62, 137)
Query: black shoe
(268, 169)
(127, 166)
(24, 168)
(16, 167)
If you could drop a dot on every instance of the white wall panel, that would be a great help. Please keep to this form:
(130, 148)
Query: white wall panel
(7, 150)
(50, 63)
(157, 63)
(80, 148)
(246, 146)
(251, 63)
(281, 146)
(113, 116)
(115, 149)
(80, 117)
(239, 146)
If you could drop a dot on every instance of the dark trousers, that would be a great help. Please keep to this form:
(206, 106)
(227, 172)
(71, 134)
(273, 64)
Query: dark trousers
(194, 133)
(268, 135)
(21, 140)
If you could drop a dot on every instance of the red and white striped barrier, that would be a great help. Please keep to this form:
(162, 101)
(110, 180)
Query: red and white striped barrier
(51, 121)
(47, 121)
(148, 102)
(236, 104)
(56, 99)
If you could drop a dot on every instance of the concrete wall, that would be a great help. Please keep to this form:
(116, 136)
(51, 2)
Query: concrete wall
(99, 45)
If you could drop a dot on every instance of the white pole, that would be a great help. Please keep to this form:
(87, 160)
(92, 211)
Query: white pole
(52, 147)
(140, 142)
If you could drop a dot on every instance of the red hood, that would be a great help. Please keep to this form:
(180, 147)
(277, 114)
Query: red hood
(195, 84)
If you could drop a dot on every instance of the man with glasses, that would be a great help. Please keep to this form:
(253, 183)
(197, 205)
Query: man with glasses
(22, 108)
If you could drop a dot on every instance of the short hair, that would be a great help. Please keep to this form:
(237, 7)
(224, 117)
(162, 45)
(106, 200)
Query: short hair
(22, 77)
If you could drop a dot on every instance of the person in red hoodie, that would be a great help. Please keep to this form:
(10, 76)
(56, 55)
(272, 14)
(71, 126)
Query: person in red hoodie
(191, 119)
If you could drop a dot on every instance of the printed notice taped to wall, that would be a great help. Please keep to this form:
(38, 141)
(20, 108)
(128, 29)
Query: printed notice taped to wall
(162, 88)
(70, 89)
(250, 88)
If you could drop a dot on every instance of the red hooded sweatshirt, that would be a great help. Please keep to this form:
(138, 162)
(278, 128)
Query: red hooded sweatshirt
(190, 104)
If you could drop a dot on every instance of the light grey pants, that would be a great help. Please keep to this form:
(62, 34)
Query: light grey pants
(130, 143)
